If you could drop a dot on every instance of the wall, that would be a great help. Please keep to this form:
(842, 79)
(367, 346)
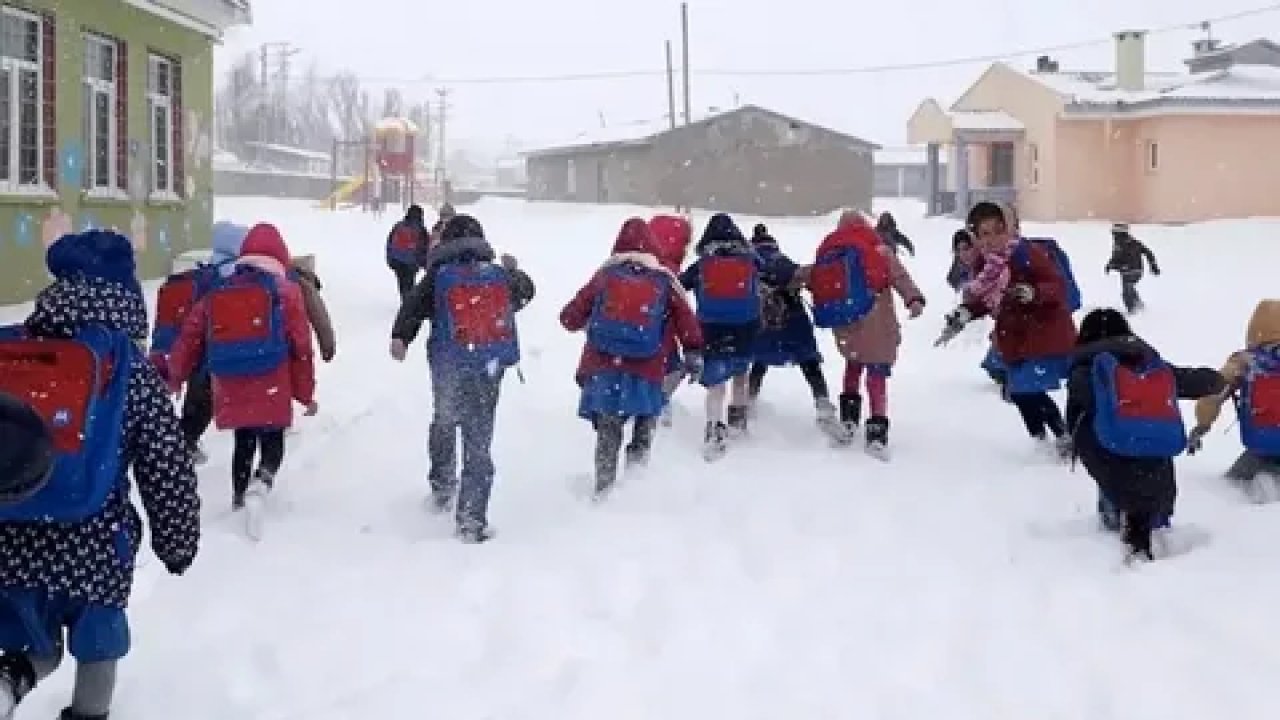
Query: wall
(902, 180)
(246, 183)
(615, 175)
(1097, 170)
(160, 229)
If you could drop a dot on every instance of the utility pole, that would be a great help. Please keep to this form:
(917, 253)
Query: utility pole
(671, 88)
(279, 52)
(684, 31)
(442, 161)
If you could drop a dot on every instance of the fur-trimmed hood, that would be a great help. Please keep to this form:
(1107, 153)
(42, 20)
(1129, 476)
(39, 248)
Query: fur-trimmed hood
(646, 260)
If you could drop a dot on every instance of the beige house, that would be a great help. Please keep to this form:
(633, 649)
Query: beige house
(1124, 145)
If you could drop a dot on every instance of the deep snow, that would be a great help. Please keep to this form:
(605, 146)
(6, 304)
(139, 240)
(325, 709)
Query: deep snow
(789, 580)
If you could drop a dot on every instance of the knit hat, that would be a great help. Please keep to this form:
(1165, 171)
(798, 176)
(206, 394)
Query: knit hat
(227, 240)
(415, 215)
(100, 254)
(461, 226)
(760, 236)
(265, 239)
(26, 451)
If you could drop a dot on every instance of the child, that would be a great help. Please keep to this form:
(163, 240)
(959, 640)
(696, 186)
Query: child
(726, 280)
(1130, 453)
(787, 336)
(894, 239)
(407, 245)
(633, 310)
(867, 332)
(964, 260)
(471, 302)
(1253, 377)
(1127, 253)
(671, 236)
(69, 534)
(1030, 299)
(256, 376)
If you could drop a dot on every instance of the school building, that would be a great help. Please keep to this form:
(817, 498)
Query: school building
(106, 111)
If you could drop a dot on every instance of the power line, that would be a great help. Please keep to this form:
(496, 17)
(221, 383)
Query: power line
(820, 72)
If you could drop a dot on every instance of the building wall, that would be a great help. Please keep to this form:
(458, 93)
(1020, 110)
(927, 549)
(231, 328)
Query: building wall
(1037, 108)
(902, 180)
(756, 163)
(160, 228)
(618, 175)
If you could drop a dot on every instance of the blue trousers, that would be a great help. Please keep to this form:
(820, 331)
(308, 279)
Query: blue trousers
(33, 622)
(463, 401)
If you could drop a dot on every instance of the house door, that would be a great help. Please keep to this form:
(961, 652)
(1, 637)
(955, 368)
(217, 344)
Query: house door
(1001, 168)
(602, 186)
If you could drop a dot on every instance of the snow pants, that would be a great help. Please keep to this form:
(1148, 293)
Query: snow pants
(466, 401)
(1129, 280)
(197, 409)
(609, 436)
(406, 276)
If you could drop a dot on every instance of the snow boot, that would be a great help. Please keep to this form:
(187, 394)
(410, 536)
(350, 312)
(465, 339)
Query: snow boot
(738, 420)
(1112, 519)
(637, 452)
(829, 424)
(69, 714)
(851, 411)
(440, 502)
(715, 442)
(17, 678)
(1137, 537)
(878, 436)
(474, 535)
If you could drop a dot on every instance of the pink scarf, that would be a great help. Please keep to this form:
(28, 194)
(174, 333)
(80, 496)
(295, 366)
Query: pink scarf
(988, 286)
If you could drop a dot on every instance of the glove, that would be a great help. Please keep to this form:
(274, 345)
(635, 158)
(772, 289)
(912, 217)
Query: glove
(955, 322)
(1021, 292)
(1195, 439)
(178, 567)
(915, 308)
(509, 262)
(1155, 270)
(398, 350)
(313, 407)
(693, 364)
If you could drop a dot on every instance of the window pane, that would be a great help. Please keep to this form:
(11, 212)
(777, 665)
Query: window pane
(28, 127)
(6, 126)
(101, 139)
(31, 40)
(160, 141)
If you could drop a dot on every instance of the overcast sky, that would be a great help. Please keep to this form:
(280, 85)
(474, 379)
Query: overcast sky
(410, 42)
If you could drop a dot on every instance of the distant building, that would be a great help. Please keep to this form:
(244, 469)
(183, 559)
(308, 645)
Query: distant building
(902, 172)
(285, 158)
(1123, 145)
(748, 160)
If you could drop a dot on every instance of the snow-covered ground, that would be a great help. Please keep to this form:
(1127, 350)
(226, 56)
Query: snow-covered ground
(788, 581)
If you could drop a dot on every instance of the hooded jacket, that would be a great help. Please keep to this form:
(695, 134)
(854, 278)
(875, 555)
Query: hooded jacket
(93, 560)
(671, 236)
(1262, 341)
(1127, 254)
(1132, 484)
(722, 238)
(261, 401)
(633, 251)
(415, 222)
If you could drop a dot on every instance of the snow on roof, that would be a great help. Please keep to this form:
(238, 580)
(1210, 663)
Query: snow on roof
(1239, 82)
(287, 150)
(906, 155)
(637, 132)
(1236, 83)
(985, 120)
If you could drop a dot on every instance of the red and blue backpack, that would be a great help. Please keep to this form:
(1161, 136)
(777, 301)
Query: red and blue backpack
(179, 293)
(844, 283)
(728, 290)
(79, 387)
(1258, 406)
(629, 316)
(1022, 257)
(475, 317)
(245, 333)
(1136, 411)
(402, 246)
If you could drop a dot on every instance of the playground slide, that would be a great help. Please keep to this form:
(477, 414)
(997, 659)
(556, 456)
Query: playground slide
(344, 193)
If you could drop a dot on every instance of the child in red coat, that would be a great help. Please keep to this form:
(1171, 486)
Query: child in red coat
(672, 235)
(633, 310)
(256, 405)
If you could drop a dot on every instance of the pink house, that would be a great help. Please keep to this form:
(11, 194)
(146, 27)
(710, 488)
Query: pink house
(1127, 145)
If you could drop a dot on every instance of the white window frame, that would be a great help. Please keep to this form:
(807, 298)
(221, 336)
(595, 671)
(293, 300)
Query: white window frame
(93, 87)
(164, 101)
(13, 185)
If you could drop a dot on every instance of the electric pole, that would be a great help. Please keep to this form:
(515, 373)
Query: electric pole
(684, 31)
(671, 89)
(275, 55)
(441, 123)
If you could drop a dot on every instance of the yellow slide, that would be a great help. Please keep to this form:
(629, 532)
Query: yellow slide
(344, 193)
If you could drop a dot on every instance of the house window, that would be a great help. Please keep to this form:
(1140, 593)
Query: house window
(164, 107)
(1152, 156)
(1000, 169)
(104, 107)
(1033, 154)
(571, 179)
(22, 100)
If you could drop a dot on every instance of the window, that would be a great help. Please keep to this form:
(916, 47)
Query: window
(105, 104)
(164, 107)
(1000, 169)
(1152, 155)
(1033, 155)
(23, 100)
(571, 179)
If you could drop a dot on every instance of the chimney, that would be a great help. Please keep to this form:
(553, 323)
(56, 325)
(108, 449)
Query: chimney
(1204, 46)
(1131, 60)
(1046, 64)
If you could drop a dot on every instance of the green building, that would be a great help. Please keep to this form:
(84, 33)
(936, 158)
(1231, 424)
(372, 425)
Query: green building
(106, 111)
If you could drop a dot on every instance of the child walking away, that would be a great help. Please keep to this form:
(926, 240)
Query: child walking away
(851, 282)
(786, 336)
(303, 271)
(252, 331)
(726, 281)
(894, 239)
(671, 236)
(69, 534)
(1122, 406)
(1127, 253)
(471, 301)
(1026, 284)
(1253, 382)
(633, 310)
(407, 245)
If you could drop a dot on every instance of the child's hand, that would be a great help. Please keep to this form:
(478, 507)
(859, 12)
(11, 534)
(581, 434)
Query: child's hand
(312, 408)
(398, 350)
(915, 308)
(509, 262)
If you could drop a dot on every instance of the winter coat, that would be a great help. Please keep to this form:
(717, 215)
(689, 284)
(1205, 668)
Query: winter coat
(1042, 328)
(680, 324)
(1127, 253)
(260, 401)
(93, 560)
(419, 306)
(421, 246)
(1132, 484)
(1263, 335)
(317, 311)
(874, 339)
(723, 238)
(793, 342)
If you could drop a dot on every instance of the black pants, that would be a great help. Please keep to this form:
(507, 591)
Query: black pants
(197, 409)
(406, 277)
(248, 445)
(1040, 413)
(1129, 290)
(811, 370)
(609, 431)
